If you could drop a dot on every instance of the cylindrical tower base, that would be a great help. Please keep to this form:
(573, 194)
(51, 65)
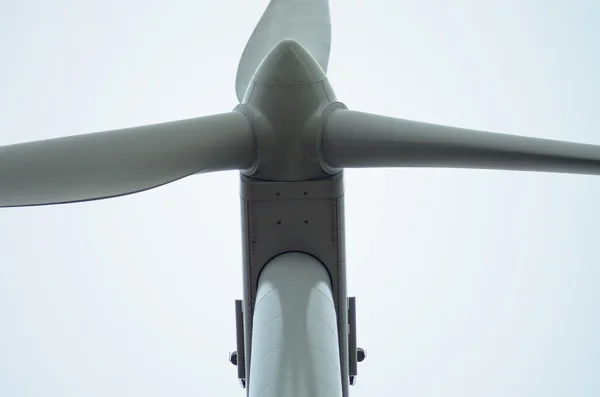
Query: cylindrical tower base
(295, 349)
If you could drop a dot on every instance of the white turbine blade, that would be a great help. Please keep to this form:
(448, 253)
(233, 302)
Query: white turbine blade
(357, 139)
(305, 21)
(115, 163)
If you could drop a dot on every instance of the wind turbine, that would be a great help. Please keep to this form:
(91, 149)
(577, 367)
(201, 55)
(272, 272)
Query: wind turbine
(291, 139)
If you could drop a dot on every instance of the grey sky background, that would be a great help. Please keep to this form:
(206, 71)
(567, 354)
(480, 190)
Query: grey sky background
(468, 283)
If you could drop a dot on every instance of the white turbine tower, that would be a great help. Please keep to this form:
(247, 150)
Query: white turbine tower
(291, 139)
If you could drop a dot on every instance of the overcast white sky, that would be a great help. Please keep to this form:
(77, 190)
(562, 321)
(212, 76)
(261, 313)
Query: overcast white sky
(468, 283)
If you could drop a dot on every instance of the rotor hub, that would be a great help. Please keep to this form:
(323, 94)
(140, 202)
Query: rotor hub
(287, 103)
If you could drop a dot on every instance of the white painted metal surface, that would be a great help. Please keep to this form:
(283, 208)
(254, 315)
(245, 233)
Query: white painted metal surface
(294, 340)
(287, 103)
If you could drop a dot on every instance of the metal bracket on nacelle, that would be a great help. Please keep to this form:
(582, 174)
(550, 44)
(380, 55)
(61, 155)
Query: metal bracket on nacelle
(238, 357)
(355, 354)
